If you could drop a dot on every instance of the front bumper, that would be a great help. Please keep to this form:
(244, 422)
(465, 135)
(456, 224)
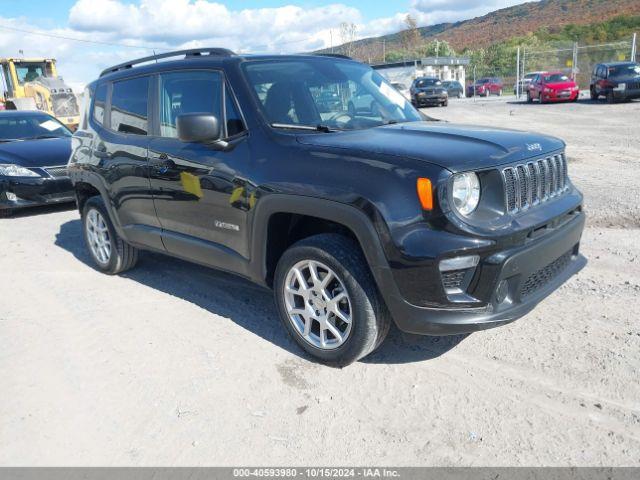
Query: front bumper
(627, 94)
(425, 100)
(531, 272)
(561, 96)
(34, 191)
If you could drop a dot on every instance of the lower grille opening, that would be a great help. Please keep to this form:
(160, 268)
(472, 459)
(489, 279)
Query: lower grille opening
(542, 277)
(454, 279)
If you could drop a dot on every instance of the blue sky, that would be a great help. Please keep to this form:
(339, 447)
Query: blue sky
(139, 27)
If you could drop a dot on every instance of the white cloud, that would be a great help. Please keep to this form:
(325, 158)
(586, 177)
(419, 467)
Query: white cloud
(172, 24)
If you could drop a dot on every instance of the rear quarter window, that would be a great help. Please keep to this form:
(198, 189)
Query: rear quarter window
(100, 103)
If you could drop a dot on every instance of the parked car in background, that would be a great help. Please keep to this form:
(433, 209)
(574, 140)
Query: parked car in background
(552, 87)
(353, 220)
(362, 102)
(454, 88)
(615, 81)
(485, 87)
(34, 150)
(524, 82)
(402, 88)
(428, 91)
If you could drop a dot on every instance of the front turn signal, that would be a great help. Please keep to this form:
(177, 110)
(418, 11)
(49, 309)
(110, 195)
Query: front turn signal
(425, 193)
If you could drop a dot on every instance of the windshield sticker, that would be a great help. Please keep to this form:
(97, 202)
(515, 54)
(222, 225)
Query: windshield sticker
(50, 125)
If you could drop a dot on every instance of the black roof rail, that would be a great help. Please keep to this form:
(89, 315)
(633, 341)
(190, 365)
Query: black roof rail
(192, 52)
(335, 55)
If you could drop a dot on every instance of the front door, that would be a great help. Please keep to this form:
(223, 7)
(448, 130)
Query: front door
(200, 192)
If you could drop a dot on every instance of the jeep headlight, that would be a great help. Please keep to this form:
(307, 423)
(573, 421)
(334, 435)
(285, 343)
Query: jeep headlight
(10, 170)
(466, 192)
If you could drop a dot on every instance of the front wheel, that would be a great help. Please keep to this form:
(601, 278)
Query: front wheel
(328, 300)
(109, 252)
(6, 212)
(610, 97)
(593, 94)
(529, 98)
(445, 103)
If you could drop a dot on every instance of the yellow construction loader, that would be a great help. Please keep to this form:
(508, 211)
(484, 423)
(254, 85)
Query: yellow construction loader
(33, 84)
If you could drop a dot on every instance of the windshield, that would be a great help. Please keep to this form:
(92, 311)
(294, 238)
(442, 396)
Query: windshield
(556, 77)
(629, 70)
(28, 72)
(428, 82)
(328, 92)
(31, 126)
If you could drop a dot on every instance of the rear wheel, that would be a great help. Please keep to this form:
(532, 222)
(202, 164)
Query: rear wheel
(593, 94)
(529, 99)
(109, 252)
(328, 301)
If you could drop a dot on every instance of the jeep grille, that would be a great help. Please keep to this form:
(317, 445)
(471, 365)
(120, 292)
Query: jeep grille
(537, 181)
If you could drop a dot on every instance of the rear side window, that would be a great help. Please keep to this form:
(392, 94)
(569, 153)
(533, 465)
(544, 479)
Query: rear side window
(129, 106)
(188, 92)
(99, 103)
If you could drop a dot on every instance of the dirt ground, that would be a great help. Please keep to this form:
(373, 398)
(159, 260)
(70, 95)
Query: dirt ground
(174, 364)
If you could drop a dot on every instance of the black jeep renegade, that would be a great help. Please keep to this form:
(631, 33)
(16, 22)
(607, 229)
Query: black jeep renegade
(258, 166)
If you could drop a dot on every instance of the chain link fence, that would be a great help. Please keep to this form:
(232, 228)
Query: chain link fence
(575, 60)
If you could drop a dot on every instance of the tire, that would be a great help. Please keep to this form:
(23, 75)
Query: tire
(593, 94)
(529, 99)
(445, 103)
(6, 212)
(122, 256)
(610, 98)
(369, 317)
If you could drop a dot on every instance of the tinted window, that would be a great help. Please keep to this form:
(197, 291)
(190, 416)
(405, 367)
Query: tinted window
(556, 77)
(427, 82)
(628, 70)
(99, 103)
(188, 92)
(234, 120)
(129, 106)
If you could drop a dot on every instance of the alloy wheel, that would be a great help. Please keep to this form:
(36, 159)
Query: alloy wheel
(98, 236)
(318, 304)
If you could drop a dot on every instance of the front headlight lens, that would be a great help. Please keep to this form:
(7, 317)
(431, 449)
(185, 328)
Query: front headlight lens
(10, 170)
(466, 192)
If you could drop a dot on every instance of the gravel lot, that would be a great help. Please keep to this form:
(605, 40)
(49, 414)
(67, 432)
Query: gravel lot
(174, 364)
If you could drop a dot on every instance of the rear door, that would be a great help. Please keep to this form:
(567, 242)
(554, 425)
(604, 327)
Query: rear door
(200, 192)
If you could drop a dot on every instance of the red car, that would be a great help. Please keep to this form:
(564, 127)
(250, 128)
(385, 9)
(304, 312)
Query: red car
(552, 87)
(486, 86)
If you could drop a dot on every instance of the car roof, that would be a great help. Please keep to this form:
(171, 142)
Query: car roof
(22, 113)
(618, 64)
(207, 61)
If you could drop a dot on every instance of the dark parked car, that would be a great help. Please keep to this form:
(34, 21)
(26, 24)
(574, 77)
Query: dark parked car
(34, 150)
(454, 88)
(354, 220)
(485, 87)
(428, 91)
(615, 81)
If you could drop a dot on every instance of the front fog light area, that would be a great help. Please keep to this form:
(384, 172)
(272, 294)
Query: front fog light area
(456, 274)
(466, 192)
(11, 197)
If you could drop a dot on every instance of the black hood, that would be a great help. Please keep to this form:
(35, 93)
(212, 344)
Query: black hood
(46, 152)
(455, 147)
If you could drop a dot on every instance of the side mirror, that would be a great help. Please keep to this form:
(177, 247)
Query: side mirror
(198, 127)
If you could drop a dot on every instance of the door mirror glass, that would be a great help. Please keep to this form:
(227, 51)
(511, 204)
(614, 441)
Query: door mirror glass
(198, 127)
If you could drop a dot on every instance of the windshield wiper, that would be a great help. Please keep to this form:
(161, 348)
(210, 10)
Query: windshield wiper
(7, 140)
(293, 126)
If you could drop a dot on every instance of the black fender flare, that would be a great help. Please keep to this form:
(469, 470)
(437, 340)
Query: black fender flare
(96, 181)
(350, 216)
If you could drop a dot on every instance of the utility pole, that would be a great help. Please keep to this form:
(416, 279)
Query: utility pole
(574, 62)
(633, 47)
(518, 73)
(384, 50)
(331, 38)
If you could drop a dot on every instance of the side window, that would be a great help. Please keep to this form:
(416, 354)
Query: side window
(129, 106)
(233, 118)
(99, 103)
(188, 92)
